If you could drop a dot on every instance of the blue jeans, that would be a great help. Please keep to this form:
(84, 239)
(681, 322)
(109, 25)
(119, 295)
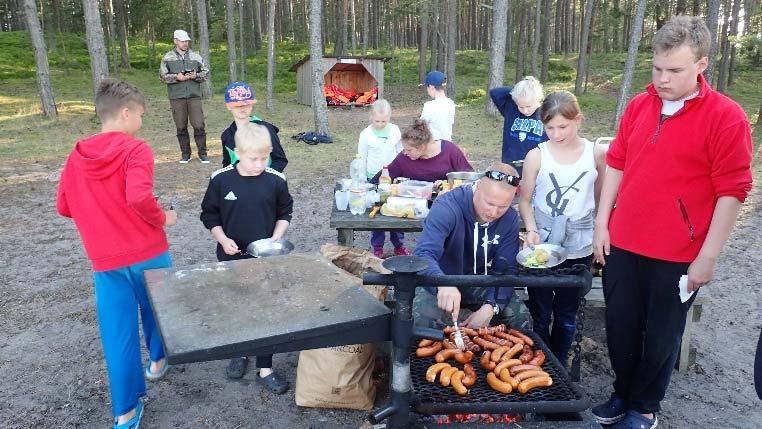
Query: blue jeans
(119, 294)
(396, 237)
(562, 304)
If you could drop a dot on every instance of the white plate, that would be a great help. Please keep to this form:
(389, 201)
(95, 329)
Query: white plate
(557, 255)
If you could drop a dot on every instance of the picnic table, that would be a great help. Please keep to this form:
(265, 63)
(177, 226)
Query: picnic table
(346, 224)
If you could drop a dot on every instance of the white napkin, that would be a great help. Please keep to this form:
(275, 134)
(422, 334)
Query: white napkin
(682, 286)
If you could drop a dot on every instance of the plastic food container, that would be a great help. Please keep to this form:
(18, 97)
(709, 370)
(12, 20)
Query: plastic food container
(413, 188)
(457, 178)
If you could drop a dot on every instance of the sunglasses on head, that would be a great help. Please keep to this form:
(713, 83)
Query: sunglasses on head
(500, 176)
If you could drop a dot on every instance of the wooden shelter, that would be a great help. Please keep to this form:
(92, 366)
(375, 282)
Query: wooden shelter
(357, 74)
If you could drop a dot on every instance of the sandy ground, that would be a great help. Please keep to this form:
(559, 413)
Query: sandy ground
(53, 374)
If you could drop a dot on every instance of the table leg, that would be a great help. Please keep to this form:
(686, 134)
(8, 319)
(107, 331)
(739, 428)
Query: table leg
(346, 237)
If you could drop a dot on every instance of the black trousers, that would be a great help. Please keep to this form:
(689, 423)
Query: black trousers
(644, 325)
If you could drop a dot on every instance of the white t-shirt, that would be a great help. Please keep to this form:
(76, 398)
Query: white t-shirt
(379, 151)
(439, 113)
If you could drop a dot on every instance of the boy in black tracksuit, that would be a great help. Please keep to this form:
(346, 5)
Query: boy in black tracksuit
(245, 202)
(239, 99)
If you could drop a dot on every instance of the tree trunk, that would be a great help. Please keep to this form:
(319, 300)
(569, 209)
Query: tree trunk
(497, 51)
(435, 14)
(365, 25)
(696, 7)
(728, 53)
(241, 40)
(41, 60)
(256, 28)
(353, 17)
(340, 48)
(536, 38)
(452, 40)
(230, 18)
(521, 52)
(583, 47)
(545, 41)
(423, 45)
(681, 7)
(192, 20)
(719, 83)
(121, 29)
(95, 44)
(629, 65)
(319, 106)
(711, 22)
(203, 40)
(270, 54)
(557, 27)
(510, 24)
(111, 33)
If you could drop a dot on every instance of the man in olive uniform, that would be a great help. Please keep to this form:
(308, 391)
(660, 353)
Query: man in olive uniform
(183, 71)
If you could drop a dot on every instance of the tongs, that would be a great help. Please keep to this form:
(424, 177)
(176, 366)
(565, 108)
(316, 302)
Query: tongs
(458, 336)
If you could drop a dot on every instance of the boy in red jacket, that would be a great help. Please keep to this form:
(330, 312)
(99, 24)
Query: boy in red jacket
(106, 187)
(678, 171)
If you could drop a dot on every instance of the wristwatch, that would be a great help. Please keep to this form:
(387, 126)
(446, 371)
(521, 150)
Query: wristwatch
(495, 308)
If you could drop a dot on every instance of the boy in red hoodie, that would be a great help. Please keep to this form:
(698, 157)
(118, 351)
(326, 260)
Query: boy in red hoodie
(106, 187)
(678, 171)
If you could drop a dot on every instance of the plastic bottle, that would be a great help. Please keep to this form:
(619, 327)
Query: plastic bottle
(357, 172)
(384, 178)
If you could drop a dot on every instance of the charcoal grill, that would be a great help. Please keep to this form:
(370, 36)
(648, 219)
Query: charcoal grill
(432, 398)
(405, 391)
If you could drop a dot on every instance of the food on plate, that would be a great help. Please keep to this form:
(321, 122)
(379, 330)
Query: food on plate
(527, 385)
(537, 259)
(497, 384)
(431, 373)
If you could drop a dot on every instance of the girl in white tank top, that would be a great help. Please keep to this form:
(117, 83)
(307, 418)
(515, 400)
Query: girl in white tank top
(559, 189)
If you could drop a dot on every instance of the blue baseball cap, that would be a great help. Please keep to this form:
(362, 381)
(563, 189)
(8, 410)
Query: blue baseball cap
(435, 78)
(239, 94)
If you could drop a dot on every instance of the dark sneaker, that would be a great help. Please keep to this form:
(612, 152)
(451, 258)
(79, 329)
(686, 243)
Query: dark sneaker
(635, 420)
(274, 383)
(236, 368)
(185, 159)
(610, 411)
(204, 159)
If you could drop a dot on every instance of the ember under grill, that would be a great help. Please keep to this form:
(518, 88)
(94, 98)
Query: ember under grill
(433, 398)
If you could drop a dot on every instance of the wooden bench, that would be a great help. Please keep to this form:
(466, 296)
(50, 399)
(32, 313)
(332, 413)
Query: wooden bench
(687, 353)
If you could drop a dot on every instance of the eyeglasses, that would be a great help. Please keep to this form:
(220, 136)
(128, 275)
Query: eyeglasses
(499, 176)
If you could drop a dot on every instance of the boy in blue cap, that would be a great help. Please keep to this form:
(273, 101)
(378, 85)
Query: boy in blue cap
(240, 99)
(439, 113)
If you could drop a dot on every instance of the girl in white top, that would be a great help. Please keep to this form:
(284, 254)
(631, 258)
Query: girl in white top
(559, 190)
(379, 144)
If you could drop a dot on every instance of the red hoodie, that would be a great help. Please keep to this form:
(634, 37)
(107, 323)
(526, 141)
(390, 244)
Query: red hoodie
(675, 171)
(106, 187)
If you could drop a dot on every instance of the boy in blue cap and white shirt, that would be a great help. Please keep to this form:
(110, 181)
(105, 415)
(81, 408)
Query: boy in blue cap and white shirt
(438, 113)
(240, 99)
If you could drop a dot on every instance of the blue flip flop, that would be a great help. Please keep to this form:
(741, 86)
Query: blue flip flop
(134, 422)
(153, 376)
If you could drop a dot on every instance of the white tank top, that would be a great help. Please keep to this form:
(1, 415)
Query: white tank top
(566, 189)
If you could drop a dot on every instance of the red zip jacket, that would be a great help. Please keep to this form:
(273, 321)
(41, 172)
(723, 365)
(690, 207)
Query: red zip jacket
(675, 170)
(106, 187)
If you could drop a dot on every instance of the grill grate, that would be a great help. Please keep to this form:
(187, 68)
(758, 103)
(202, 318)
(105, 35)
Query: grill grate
(562, 396)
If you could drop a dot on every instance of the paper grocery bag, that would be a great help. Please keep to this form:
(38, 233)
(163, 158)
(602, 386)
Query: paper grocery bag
(341, 377)
(336, 377)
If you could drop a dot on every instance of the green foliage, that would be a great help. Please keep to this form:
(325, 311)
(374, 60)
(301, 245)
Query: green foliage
(560, 71)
